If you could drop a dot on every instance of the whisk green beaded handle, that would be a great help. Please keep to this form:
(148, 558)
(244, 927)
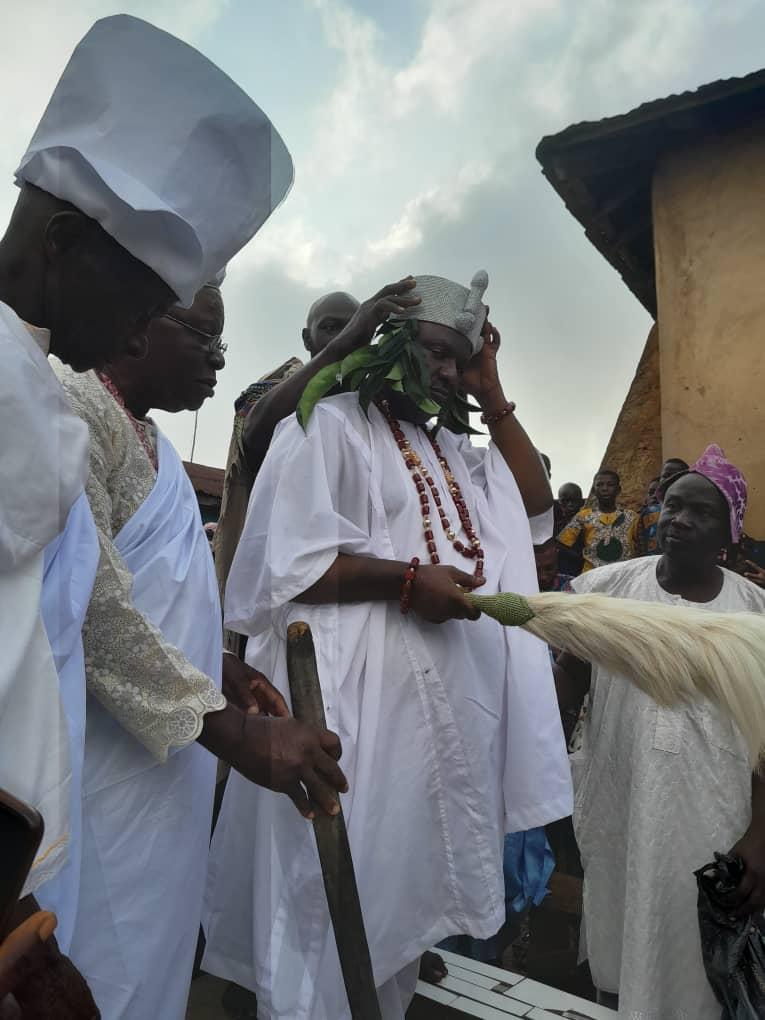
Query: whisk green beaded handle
(507, 608)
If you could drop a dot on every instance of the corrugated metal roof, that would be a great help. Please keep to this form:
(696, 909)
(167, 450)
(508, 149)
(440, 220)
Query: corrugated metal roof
(207, 480)
(721, 91)
(603, 169)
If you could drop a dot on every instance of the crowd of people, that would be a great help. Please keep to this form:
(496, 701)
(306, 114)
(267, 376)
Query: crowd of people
(603, 531)
(356, 502)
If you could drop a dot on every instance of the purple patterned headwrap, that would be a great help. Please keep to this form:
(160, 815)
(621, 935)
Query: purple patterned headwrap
(726, 477)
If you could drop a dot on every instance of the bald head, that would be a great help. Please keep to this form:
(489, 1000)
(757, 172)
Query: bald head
(327, 317)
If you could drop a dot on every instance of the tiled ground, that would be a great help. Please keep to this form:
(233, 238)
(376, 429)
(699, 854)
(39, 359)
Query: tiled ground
(477, 990)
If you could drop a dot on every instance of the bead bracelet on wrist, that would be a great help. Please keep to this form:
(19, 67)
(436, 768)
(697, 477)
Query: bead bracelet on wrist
(406, 585)
(495, 417)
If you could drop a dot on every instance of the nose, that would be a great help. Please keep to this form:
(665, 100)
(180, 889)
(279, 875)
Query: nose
(682, 519)
(449, 373)
(216, 360)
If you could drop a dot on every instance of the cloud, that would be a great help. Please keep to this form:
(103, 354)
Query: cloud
(309, 258)
(39, 35)
(616, 56)
(413, 127)
(456, 39)
(36, 42)
(376, 108)
(392, 138)
(421, 157)
(407, 233)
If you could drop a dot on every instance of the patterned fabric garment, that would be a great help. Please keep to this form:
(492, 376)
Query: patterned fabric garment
(648, 522)
(607, 538)
(146, 684)
(715, 466)
(144, 428)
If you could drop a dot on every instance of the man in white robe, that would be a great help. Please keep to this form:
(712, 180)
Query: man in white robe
(153, 646)
(43, 464)
(111, 228)
(446, 745)
(659, 790)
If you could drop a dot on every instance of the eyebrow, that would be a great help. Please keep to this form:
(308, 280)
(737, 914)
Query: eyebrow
(431, 342)
(707, 502)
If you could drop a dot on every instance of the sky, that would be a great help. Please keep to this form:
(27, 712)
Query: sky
(412, 125)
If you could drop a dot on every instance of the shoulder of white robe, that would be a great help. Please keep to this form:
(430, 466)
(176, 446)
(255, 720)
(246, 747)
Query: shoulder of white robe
(44, 458)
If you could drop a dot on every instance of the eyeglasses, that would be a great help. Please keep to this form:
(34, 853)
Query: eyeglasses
(214, 344)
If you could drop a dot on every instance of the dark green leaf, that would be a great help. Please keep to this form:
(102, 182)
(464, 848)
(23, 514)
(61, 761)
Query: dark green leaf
(324, 380)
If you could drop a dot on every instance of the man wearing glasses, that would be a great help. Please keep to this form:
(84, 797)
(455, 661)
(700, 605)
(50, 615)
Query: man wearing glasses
(152, 641)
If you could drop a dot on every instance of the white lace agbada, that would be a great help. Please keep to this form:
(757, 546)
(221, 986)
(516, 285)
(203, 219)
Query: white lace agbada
(149, 686)
(657, 792)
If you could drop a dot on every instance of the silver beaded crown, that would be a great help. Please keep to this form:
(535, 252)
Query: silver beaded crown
(450, 304)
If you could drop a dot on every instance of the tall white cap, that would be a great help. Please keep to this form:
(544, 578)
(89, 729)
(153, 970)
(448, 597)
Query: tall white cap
(153, 141)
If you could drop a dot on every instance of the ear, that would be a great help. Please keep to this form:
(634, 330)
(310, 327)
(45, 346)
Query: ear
(65, 231)
(306, 334)
(137, 346)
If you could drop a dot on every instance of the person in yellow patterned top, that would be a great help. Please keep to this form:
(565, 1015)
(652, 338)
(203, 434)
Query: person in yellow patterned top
(609, 532)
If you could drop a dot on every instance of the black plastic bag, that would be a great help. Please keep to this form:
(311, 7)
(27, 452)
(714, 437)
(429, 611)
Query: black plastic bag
(733, 948)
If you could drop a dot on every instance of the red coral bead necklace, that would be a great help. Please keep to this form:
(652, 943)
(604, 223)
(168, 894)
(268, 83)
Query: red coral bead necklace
(423, 482)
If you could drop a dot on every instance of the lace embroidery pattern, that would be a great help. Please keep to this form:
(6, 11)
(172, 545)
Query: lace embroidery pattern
(146, 684)
(141, 426)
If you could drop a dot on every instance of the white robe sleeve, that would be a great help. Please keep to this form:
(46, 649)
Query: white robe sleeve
(43, 468)
(542, 527)
(488, 468)
(490, 474)
(309, 503)
(536, 746)
(44, 449)
(34, 742)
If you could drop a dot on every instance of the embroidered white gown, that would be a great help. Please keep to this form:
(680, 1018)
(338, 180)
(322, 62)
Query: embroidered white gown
(451, 734)
(153, 658)
(657, 792)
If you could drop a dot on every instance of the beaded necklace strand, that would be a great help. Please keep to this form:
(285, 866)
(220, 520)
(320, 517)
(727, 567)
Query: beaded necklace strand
(139, 427)
(423, 481)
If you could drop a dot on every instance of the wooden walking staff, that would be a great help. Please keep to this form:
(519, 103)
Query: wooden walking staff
(332, 841)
